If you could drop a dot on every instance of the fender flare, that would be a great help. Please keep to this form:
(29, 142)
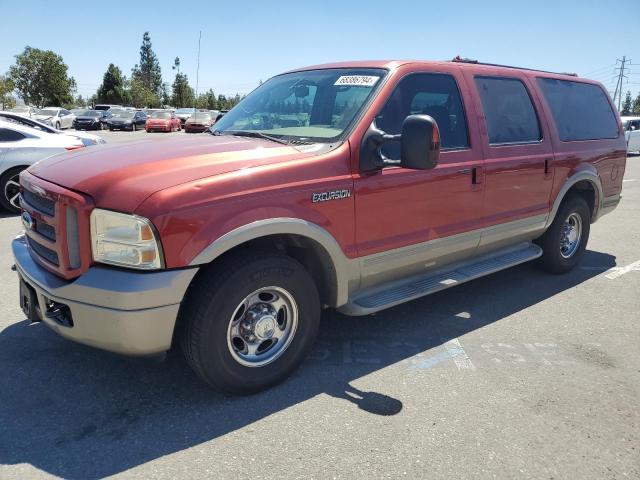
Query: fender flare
(583, 175)
(284, 226)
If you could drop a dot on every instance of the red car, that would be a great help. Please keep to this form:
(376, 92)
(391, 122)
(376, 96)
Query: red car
(162, 122)
(198, 122)
(355, 186)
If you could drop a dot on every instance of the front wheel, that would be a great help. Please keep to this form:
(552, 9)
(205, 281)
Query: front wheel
(10, 182)
(566, 239)
(249, 322)
(57, 125)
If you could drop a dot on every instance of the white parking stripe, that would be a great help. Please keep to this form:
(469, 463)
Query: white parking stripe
(619, 271)
(629, 180)
(459, 356)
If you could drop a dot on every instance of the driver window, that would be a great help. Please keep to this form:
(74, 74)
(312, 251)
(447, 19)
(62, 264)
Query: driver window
(432, 94)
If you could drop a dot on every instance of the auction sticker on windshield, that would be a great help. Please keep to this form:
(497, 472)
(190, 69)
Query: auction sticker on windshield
(357, 80)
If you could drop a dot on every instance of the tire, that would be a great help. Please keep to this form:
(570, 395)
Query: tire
(9, 190)
(221, 294)
(133, 127)
(57, 125)
(560, 254)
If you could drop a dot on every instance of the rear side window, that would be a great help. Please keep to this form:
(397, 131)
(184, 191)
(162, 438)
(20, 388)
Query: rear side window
(508, 110)
(581, 111)
(7, 135)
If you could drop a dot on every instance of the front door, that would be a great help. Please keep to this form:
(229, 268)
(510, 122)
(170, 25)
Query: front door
(410, 221)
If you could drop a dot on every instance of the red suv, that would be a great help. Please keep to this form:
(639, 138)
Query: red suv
(355, 186)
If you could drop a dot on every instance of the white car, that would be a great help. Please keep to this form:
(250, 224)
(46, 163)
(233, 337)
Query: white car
(87, 138)
(631, 127)
(54, 116)
(20, 147)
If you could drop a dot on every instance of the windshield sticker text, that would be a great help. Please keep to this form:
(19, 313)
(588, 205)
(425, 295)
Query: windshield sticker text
(357, 80)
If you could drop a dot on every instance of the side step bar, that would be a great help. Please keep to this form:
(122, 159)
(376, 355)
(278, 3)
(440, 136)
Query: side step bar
(385, 296)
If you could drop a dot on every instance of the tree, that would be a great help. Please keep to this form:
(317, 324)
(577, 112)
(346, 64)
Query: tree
(207, 100)
(40, 77)
(183, 95)
(113, 88)
(141, 96)
(176, 64)
(148, 71)
(6, 87)
(626, 105)
(636, 105)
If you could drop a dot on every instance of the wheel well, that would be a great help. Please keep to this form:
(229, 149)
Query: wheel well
(308, 252)
(586, 190)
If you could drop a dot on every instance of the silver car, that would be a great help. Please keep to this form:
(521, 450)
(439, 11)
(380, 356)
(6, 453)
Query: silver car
(20, 147)
(56, 117)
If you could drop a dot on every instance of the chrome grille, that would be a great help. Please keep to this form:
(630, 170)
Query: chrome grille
(42, 204)
(46, 253)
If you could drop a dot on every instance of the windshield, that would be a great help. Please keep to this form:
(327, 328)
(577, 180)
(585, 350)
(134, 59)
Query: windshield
(124, 114)
(316, 105)
(88, 113)
(185, 110)
(47, 112)
(160, 115)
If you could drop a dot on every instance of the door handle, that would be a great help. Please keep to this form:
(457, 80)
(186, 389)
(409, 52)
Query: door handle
(464, 171)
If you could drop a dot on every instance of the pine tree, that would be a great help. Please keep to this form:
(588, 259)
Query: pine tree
(148, 71)
(183, 95)
(636, 105)
(112, 89)
(626, 106)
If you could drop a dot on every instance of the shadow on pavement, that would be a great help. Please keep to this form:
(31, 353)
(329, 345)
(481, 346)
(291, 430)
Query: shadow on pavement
(79, 413)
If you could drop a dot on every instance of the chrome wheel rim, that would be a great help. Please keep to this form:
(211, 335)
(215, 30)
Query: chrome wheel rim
(262, 326)
(570, 235)
(12, 191)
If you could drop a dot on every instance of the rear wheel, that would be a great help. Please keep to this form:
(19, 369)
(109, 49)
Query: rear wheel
(566, 239)
(249, 322)
(10, 183)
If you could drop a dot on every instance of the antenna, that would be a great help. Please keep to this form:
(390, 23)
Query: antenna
(197, 72)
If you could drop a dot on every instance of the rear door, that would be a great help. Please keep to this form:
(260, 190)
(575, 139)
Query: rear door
(408, 221)
(518, 157)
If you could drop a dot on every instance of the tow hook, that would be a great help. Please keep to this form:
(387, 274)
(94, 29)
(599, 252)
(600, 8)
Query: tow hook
(13, 268)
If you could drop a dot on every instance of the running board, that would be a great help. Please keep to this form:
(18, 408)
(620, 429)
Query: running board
(381, 297)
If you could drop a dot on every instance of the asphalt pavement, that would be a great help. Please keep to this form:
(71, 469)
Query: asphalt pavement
(517, 375)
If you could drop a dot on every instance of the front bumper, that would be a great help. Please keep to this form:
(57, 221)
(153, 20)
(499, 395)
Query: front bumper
(127, 312)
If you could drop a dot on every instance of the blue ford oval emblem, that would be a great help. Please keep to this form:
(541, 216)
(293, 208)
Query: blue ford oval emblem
(27, 220)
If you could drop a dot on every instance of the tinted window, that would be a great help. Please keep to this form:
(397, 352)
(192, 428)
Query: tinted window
(581, 111)
(431, 94)
(7, 135)
(508, 110)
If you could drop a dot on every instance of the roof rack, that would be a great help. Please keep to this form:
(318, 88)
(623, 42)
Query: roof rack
(459, 59)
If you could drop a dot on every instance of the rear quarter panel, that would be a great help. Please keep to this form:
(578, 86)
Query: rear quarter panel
(605, 157)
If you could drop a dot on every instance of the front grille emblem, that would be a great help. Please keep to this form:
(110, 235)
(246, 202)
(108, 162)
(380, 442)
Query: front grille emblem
(27, 220)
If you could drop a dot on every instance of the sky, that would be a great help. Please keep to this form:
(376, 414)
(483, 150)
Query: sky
(244, 42)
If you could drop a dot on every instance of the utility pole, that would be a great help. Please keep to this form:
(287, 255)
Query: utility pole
(198, 69)
(621, 77)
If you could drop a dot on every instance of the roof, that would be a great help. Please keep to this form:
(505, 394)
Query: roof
(462, 62)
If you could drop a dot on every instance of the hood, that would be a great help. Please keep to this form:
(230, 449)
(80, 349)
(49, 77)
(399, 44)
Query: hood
(42, 117)
(158, 120)
(121, 176)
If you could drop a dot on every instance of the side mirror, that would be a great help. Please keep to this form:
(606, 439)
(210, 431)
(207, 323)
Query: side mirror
(419, 145)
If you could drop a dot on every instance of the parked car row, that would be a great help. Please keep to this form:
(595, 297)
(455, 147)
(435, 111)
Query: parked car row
(116, 117)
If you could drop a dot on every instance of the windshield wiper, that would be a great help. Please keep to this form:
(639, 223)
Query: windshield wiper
(254, 134)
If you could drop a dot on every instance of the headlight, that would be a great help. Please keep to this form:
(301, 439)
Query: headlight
(124, 240)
